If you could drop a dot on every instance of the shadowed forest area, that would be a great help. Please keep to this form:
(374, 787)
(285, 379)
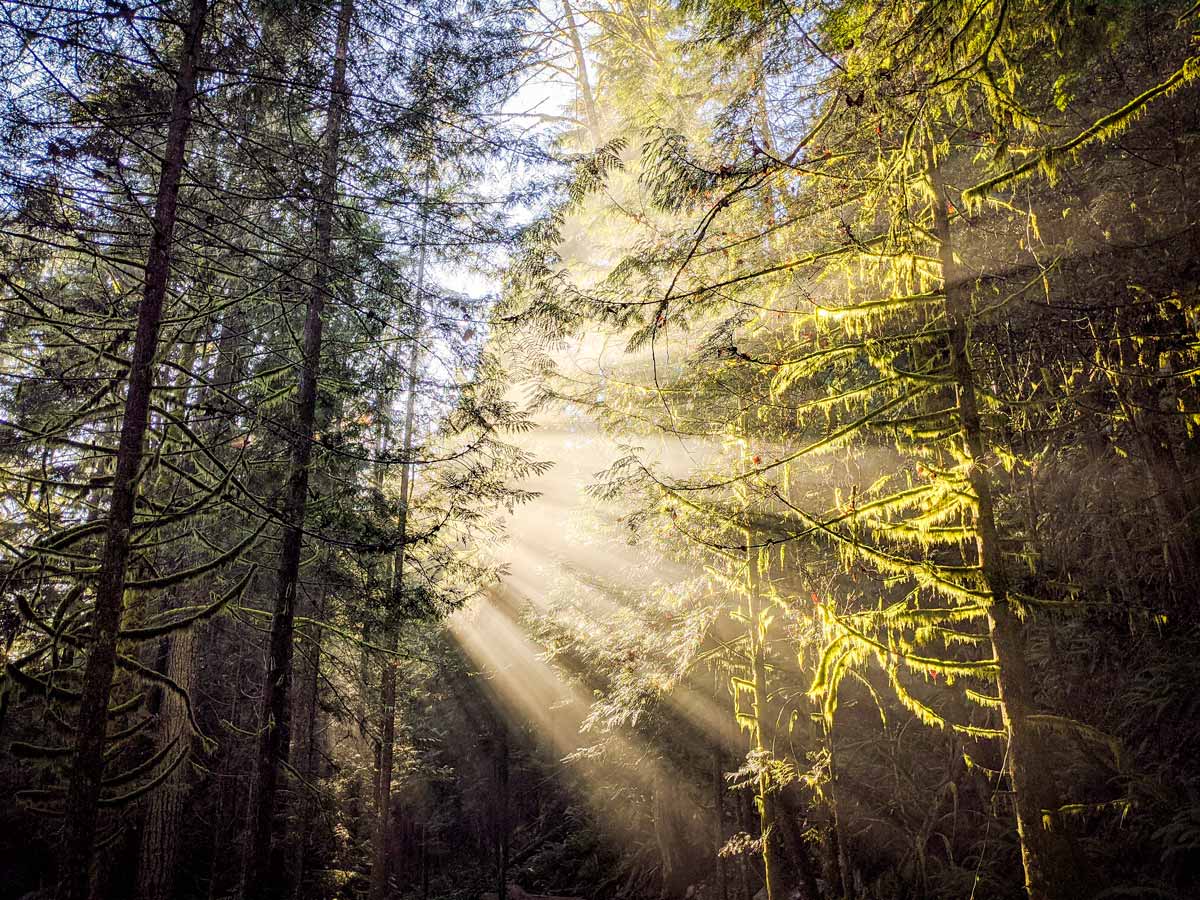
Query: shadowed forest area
(599, 449)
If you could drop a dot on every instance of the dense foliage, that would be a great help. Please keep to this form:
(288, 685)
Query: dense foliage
(899, 335)
(618, 448)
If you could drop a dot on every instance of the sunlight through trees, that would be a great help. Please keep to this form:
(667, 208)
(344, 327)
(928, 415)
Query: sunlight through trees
(678, 449)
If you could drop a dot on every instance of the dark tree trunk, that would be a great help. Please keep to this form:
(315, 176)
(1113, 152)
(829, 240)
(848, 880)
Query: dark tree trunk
(164, 806)
(306, 712)
(83, 792)
(789, 815)
(229, 371)
(719, 835)
(424, 861)
(383, 799)
(678, 873)
(222, 407)
(387, 676)
(229, 820)
(260, 881)
(502, 815)
(1172, 506)
(840, 853)
(760, 738)
(742, 809)
(1051, 871)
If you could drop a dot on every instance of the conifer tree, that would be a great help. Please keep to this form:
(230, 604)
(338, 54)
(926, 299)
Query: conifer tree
(87, 773)
(276, 696)
(884, 309)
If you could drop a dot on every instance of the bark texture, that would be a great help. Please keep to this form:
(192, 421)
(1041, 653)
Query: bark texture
(582, 81)
(87, 771)
(260, 880)
(165, 805)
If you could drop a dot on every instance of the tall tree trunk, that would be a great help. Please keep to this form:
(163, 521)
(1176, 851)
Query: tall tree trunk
(743, 813)
(229, 819)
(306, 712)
(1169, 498)
(158, 853)
(502, 812)
(758, 743)
(763, 121)
(222, 410)
(383, 789)
(387, 676)
(87, 771)
(1047, 856)
(841, 853)
(229, 371)
(670, 832)
(260, 881)
(164, 807)
(424, 861)
(719, 835)
(582, 81)
(789, 814)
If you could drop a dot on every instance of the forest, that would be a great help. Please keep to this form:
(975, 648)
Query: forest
(599, 449)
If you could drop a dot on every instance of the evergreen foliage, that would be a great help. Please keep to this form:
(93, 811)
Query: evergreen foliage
(613, 448)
